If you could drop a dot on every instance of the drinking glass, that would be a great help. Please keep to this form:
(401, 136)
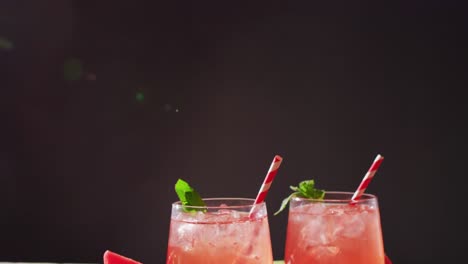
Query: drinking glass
(334, 230)
(222, 233)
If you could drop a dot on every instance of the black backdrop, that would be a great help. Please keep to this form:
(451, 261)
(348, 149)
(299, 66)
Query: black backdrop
(104, 105)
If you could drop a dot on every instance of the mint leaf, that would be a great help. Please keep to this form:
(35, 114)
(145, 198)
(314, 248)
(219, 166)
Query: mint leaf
(306, 189)
(188, 196)
(294, 188)
(285, 202)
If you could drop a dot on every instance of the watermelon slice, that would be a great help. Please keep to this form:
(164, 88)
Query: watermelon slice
(114, 258)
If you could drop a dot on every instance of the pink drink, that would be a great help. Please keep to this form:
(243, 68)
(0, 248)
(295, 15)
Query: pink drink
(334, 231)
(223, 234)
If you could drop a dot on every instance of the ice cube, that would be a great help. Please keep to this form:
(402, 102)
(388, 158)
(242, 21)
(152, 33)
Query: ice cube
(315, 208)
(352, 225)
(336, 210)
(228, 214)
(188, 217)
(314, 232)
(324, 251)
(186, 230)
(185, 236)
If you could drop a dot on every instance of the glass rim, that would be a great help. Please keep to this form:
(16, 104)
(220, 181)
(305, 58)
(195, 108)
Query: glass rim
(179, 204)
(364, 197)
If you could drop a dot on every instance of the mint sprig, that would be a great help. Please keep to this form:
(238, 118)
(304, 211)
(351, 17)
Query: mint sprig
(306, 189)
(189, 197)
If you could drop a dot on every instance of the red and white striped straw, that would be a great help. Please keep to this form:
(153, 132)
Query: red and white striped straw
(267, 182)
(367, 178)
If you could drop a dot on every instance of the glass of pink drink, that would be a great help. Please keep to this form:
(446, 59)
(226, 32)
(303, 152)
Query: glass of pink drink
(223, 234)
(334, 231)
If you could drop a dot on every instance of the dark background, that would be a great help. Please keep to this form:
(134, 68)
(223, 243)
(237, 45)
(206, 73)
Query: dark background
(103, 105)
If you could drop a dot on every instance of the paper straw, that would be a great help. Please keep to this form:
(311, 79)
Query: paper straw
(367, 178)
(267, 182)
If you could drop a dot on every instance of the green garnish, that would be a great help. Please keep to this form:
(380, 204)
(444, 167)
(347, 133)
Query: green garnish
(306, 189)
(188, 196)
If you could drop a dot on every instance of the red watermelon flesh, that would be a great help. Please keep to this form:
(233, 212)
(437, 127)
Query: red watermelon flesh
(114, 258)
